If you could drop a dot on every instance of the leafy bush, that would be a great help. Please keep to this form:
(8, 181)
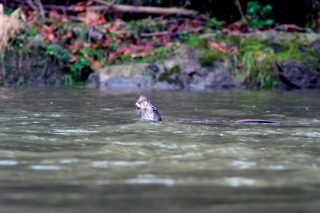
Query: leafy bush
(258, 14)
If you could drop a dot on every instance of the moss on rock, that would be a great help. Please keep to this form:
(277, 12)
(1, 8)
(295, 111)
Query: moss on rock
(210, 56)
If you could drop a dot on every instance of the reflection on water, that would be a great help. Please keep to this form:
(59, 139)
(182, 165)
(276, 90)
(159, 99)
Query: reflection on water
(88, 151)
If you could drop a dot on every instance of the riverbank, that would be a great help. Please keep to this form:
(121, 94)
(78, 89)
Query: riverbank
(266, 60)
(189, 53)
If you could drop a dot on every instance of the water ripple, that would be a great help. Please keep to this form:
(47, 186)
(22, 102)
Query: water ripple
(239, 181)
(8, 162)
(243, 164)
(307, 134)
(69, 131)
(104, 164)
(44, 167)
(151, 179)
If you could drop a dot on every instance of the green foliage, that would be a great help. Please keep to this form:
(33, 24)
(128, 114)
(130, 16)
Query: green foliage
(146, 25)
(210, 56)
(31, 31)
(52, 50)
(251, 44)
(68, 80)
(234, 40)
(296, 50)
(258, 14)
(259, 64)
(213, 22)
(311, 54)
(167, 75)
(260, 69)
(174, 70)
(289, 50)
(159, 54)
(63, 55)
(76, 67)
(8, 11)
(192, 40)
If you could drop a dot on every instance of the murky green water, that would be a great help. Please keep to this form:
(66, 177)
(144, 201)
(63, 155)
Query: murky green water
(87, 151)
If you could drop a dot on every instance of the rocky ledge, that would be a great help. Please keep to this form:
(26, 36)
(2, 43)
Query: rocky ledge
(187, 68)
(185, 71)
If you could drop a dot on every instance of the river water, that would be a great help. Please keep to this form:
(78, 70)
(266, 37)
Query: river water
(65, 150)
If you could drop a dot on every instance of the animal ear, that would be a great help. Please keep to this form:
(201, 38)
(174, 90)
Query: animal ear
(154, 109)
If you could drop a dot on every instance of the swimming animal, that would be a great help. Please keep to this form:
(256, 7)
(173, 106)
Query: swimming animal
(149, 112)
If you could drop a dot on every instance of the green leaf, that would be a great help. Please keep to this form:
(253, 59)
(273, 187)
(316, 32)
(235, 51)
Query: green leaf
(268, 22)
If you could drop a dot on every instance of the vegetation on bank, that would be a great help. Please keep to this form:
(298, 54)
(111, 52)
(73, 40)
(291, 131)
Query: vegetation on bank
(83, 37)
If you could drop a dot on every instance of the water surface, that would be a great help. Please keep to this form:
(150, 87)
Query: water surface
(87, 151)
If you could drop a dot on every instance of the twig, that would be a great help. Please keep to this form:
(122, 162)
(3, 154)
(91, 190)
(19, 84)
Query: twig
(33, 6)
(38, 7)
(294, 27)
(243, 17)
(42, 13)
(108, 8)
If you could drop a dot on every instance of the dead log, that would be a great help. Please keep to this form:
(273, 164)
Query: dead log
(141, 9)
(111, 7)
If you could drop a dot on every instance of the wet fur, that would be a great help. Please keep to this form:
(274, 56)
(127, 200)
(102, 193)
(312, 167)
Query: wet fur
(147, 110)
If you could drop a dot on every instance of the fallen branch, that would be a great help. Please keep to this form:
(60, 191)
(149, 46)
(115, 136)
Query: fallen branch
(148, 10)
(285, 27)
(129, 9)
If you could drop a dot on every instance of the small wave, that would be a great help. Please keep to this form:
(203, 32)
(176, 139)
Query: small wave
(8, 162)
(45, 167)
(239, 181)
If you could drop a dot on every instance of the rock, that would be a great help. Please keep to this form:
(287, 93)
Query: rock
(316, 46)
(31, 67)
(203, 71)
(186, 59)
(123, 83)
(275, 47)
(92, 81)
(170, 63)
(162, 85)
(294, 74)
(188, 63)
(219, 79)
(124, 76)
(197, 83)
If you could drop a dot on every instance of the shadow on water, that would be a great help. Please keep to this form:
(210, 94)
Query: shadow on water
(88, 151)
